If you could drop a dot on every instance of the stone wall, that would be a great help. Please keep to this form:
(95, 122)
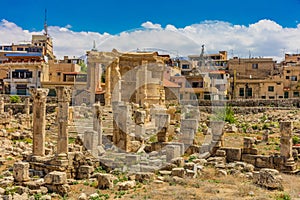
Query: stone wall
(294, 102)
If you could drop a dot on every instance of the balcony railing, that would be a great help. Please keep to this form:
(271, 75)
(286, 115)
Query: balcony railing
(18, 80)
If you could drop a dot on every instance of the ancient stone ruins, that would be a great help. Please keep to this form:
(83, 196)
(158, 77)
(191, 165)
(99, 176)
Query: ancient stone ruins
(140, 135)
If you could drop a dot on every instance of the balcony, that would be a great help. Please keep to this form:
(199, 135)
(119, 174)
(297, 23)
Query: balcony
(18, 80)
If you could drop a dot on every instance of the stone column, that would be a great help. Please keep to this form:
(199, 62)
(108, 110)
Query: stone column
(286, 142)
(39, 119)
(217, 133)
(1, 105)
(97, 121)
(63, 100)
(121, 123)
(90, 141)
(27, 106)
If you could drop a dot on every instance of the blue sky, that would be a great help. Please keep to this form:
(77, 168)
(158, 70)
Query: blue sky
(243, 28)
(114, 16)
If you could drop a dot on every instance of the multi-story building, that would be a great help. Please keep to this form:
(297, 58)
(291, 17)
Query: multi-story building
(254, 78)
(66, 72)
(25, 65)
(23, 71)
(252, 68)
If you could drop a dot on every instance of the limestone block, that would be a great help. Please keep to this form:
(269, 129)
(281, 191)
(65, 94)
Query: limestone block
(264, 161)
(85, 171)
(249, 142)
(144, 176)
(132, 159)
(268, 178)
(191, 173)
(56, 178)
(162, 120)
(126, 185)
(173, 151)
(105, 181)
(21, 171)
(220, 153)
(140, 117)
(179, 171)
(233, 154)
(189, 124)
(216, 127)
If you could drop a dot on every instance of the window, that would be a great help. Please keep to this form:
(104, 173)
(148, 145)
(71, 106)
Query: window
(296, 94)
(287, 77)
(19, 49)
(271, 88)
(242, 92)
(286, 94)
(263, 97)
(181, 96)
(288, 71)
(278, 83)
(249, 92)
(271, 97)
(293, 78)
(185, 66)
(58, 73)
(254, 66)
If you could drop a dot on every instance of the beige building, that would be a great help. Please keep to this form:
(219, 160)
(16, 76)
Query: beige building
(269, 88)
(66, 72)
(252, 68)
(291, 81)
(23, 71)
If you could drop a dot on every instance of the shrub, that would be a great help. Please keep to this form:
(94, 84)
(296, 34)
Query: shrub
(296, 140)
(227, 115)
(14, 99)
(283, 196)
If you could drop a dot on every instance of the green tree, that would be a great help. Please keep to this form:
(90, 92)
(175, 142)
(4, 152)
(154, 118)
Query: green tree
(83, 67)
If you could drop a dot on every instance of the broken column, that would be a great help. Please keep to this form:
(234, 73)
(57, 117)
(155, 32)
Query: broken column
(188, 130)
(217, 134)
(90, 141)
(27, 106)
(162, 122)
(121, 126)
(27, 112)
(97, 121)
(286, 144)
(39, 119)
(2, 105)
(63, 99)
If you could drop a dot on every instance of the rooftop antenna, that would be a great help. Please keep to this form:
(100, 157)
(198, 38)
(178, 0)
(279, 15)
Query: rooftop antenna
(45, 23)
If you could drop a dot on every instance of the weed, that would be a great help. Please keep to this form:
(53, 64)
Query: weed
(100, 170)
(37, 196)
(283, 196)
(14, 99)
(296, 140)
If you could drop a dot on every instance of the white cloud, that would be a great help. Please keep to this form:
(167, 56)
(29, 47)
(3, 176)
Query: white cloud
(264, 38)
(150, 25)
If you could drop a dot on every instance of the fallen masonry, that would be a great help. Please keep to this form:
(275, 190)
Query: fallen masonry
(147, 143)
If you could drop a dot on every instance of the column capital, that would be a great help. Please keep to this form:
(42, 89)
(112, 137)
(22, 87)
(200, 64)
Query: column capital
(39, 94)
(63, 93)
